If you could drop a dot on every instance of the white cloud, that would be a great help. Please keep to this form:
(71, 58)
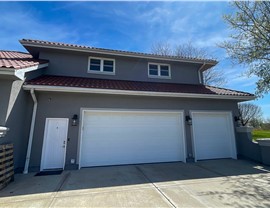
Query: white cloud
(155, 15)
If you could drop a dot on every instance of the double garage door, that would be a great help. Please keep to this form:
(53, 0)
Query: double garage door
(132, 137)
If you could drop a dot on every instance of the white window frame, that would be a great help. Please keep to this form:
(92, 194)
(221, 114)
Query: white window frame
(159, 71)
(101, 66)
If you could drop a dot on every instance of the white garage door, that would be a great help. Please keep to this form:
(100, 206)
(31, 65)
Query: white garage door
(130, 137)
(213, 135)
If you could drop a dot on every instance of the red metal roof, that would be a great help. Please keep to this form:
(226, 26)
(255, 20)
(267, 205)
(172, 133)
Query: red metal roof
(18, 60)
(66, 45)
(79, 82)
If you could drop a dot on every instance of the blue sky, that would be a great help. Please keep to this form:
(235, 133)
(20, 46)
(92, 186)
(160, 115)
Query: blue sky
(134, 26)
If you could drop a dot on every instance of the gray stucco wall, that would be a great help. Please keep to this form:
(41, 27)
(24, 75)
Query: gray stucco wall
(35, 73)
(246, 148)
(258, 150)
(15, 113)
(5, 90)
(265, 153)
(65, 105)
(136, 69)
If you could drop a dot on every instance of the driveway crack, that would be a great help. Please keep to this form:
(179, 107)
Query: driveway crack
(157, 188)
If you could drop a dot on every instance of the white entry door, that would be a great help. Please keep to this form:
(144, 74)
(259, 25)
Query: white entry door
(130, 137)
(54, 144)
(213, 135)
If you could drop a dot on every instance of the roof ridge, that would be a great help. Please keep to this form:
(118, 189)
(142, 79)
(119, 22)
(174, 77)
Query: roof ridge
(115, 50)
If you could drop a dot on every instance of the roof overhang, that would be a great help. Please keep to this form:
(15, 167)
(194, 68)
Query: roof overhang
(20, 73)
(134, 93)
(26, 44)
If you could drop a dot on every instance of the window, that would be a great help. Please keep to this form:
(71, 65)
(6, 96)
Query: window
(159, 70)
(153, 69)
(101, 65)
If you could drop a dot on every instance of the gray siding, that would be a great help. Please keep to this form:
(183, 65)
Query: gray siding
(76, 63)
(65, 105)
(15, 113)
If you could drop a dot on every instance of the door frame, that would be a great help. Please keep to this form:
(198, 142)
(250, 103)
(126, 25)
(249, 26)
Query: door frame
(231, 128)
(44, 145)
(83, 110)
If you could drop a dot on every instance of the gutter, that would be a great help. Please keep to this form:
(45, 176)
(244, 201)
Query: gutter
(28, 154)
(20, 73)
(200, 74)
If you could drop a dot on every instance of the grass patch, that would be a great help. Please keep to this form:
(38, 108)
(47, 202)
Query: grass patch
(257, 134)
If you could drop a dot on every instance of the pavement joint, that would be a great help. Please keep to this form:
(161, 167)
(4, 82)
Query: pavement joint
(157, 188)
(59, 187)
(210, 170)
(103, 192)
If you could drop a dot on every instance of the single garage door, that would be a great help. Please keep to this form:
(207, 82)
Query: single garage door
(213, 135)
(130, 137)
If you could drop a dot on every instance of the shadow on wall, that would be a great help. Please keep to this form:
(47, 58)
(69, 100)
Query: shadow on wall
(122, 177)
(18, 118)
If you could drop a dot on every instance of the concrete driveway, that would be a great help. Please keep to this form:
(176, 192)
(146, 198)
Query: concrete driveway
(215, 183)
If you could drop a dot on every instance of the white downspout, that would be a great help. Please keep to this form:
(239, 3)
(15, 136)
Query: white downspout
(31, 133)
(199, 72)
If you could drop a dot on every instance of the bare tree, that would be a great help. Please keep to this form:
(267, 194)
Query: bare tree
(212, 76)
(266, 124)
(248, 112)
(162, 48)
(188, 50)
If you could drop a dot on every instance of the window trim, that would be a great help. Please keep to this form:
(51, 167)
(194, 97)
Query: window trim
(159, 76)
(101, 65)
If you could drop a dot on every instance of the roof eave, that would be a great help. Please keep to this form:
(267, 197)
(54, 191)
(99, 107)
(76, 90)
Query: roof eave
(127, 54)
(135, 93)
(20, 73)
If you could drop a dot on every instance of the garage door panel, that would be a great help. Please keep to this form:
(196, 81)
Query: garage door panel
(213, 136)
(111, 138)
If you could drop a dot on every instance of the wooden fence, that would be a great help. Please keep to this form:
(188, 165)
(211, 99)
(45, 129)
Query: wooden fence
(6, 165)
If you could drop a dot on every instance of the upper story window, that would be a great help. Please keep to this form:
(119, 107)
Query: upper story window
(159, 70)
(101, 65)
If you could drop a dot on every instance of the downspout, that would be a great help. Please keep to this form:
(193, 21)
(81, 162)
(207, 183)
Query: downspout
(200, 74)
(31, 133)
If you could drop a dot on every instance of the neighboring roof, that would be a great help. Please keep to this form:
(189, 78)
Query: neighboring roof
(18, 60)
(134, 86)
(49, 44)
